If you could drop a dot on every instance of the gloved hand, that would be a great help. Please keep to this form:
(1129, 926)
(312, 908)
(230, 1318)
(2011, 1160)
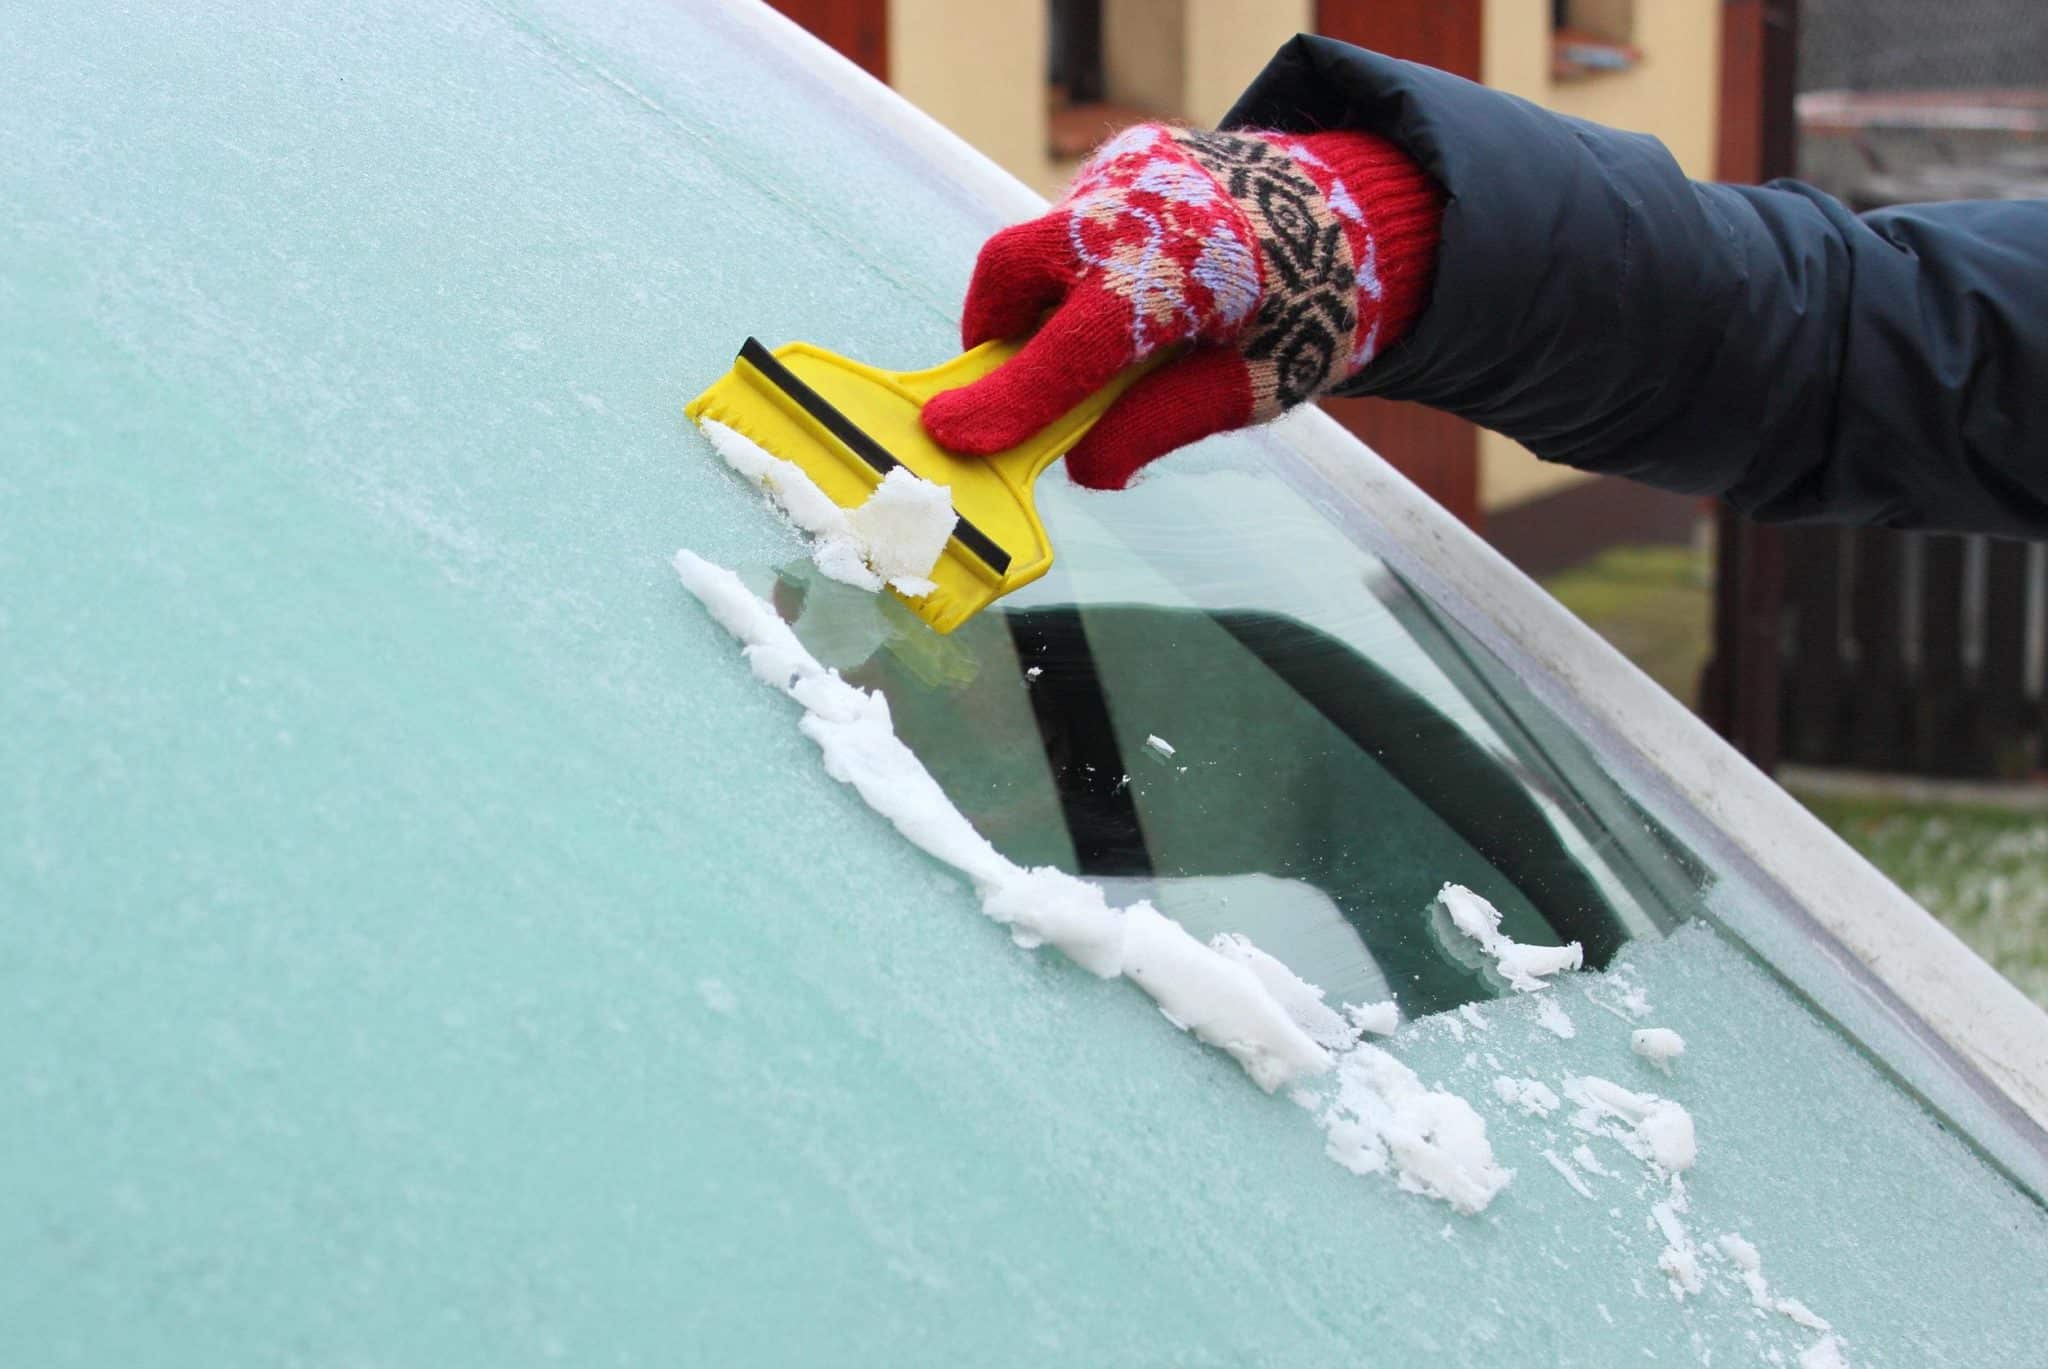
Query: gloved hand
(1287, 261)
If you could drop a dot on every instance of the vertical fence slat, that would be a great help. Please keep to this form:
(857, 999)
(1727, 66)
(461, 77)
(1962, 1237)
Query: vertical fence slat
(1876, 707)
(1941, 734)
(2008, 723)
(1815, 671)
(1915, 653)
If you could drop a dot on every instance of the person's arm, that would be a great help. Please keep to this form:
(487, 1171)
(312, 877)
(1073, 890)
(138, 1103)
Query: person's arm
(1250, 272)
(1764, 344)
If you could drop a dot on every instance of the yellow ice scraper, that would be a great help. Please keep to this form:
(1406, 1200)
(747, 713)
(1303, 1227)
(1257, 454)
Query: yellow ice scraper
(846, 425)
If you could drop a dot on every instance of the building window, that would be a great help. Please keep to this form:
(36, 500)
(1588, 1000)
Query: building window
(1111, 64)
(1591, 38)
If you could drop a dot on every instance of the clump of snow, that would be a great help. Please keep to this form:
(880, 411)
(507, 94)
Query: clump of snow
(1658, 1131)
(1750, 1265)
(895, 537)
(1378, 1117)
(835, 549)
(1532, 1096)
(1381, 1019)
(1658, 1045)
(1583, 1156)
(1301, 1000)
(1042, 905)
(1743, 1255)
(903, 528)
(1680, 1259)
(1383, 1115)
(1218, 999)
(1159, 744)
(1524, 967)
(1555, 1020)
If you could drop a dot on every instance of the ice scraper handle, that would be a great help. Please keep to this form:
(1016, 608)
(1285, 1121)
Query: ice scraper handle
(1279, 264)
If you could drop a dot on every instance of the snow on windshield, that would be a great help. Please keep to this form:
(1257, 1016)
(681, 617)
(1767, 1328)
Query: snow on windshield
(1378, 1115)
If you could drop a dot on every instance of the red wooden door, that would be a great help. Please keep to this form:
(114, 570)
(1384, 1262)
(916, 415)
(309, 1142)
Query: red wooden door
(857, 30)
(1435, 450)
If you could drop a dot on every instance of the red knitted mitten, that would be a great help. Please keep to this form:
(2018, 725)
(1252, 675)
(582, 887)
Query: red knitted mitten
(1288, 261)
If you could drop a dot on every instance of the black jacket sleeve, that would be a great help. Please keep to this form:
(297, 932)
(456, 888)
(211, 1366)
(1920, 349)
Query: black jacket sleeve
(1760, 343)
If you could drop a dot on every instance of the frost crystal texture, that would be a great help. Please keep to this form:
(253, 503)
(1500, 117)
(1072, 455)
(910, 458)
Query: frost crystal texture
(424, 941)
(1532, 1096)
(1555, 1020)
(1825, 1353)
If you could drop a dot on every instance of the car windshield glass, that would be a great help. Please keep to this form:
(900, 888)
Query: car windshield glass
(1222, 700)
(423, 935)
(1218, 701)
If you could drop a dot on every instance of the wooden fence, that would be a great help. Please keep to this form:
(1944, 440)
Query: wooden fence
(1913, 653)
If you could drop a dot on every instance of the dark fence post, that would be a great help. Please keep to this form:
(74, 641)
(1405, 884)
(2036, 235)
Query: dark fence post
(1818, 577)
(1740, 690)
(2007, 736)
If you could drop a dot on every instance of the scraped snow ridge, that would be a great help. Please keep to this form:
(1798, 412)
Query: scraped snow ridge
(1383, 1114)
(1301, 1000)
(1209, 994)
(895, 537)
(1377, 1117)
(1658, 1130)
(1680, 1259)
(1570, 1175)
(1750, 1265)
(1523, 967)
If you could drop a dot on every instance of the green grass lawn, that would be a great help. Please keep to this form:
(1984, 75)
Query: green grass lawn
(1654, 603)
(1983, 871)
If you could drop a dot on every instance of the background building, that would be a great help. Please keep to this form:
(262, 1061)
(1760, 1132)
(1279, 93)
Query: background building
(1035, 83)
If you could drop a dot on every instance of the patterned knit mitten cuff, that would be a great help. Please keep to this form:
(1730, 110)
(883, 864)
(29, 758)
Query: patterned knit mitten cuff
(1283, 264)
(1340, 283)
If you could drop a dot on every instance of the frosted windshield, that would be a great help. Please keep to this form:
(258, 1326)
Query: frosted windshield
(1221, 702)
(422, 940)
